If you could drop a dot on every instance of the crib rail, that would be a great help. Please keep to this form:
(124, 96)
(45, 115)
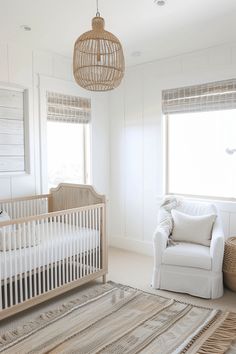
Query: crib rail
(50, 253)
(26, 206)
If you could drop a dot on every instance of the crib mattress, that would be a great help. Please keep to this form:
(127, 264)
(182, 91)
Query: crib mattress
(56, 247)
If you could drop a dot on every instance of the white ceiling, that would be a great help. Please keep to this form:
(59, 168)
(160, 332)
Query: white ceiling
(180, 26)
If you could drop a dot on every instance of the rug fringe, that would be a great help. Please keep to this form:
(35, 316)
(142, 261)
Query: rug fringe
(220, 341)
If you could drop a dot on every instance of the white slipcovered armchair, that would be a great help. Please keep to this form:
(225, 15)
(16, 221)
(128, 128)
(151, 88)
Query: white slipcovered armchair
(187, 267)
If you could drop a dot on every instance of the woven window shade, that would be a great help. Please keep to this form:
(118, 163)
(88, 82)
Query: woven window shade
(66, 108)
(200, 98)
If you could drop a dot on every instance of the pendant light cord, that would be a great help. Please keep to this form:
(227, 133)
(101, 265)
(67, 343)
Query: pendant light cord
(97, 13)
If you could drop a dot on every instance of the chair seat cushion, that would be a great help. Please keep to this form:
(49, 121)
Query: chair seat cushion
(188, 255)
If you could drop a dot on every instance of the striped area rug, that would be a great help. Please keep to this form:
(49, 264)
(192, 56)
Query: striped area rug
(116, 319)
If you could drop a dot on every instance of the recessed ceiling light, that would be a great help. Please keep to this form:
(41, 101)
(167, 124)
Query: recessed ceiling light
(160, 2)
(25, 28)
(136, 53)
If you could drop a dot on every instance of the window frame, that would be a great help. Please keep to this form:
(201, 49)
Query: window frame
(166, 169)
(68, 88)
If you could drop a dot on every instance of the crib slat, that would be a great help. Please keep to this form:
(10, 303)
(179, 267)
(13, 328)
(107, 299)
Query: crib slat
(48, 254)
(9, 237)
(16, 270)
(67, 249)
(36, 234)
(96, 241)
(20, 263)
(27, 208)
(84, 241)
(89, 241)
(55, 234)
(41, 258)
(74, 235)
(70, 240)
(77, 244)
(17, 209)
(77, 236)
(14, 210)
(99, 232)
(63, 249)
(80, 244)
(51, 265)
(93, 242)
(26, 289)
(59, 249)
(5, 266)
(30, 236)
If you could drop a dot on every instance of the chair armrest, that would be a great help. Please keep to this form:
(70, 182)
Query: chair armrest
(217, 246)
(160, 238)
(161, 234)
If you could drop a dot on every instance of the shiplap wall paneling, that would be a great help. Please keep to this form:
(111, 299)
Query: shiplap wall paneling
(140, 122)
(12, 151)
(117, 150)
(133, 164)
(4, 75)
(152, 178)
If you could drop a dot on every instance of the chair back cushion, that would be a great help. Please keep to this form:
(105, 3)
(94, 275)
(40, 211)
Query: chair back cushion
(192, 228)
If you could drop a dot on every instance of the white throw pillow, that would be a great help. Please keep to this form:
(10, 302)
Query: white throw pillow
(194, 229)
(15, 236)
(16, 239)
(4, 216)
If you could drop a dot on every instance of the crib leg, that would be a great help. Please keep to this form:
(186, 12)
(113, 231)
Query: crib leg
(104, 279)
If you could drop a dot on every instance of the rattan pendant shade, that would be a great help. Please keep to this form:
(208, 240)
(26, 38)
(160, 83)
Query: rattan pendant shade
(98, 63)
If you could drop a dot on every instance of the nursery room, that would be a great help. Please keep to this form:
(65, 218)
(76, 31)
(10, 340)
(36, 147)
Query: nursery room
(118, 176)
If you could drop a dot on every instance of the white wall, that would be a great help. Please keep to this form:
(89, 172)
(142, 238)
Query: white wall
(136, 141)
(134, 145)
(19, 65)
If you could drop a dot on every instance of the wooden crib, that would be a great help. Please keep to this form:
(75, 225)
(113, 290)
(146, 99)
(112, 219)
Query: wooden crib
(52, 244)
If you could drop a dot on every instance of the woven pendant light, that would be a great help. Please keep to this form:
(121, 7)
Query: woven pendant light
(98, 63)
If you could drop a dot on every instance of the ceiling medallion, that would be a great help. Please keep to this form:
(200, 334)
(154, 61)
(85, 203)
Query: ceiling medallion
(98, 62)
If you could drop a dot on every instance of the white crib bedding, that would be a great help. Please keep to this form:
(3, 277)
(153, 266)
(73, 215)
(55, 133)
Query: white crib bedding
(55, 247)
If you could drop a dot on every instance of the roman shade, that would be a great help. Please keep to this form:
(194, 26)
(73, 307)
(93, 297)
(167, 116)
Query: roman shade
(66, 108)
(213, 96)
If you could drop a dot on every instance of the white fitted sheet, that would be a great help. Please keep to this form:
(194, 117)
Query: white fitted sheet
(53, 247)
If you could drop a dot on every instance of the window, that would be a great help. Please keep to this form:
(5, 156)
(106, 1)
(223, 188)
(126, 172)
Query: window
(67, 139)
(198, 163)
(66, 153)
(201, 139)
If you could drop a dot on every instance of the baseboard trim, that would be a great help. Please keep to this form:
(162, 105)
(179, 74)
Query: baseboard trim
(143, 247)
